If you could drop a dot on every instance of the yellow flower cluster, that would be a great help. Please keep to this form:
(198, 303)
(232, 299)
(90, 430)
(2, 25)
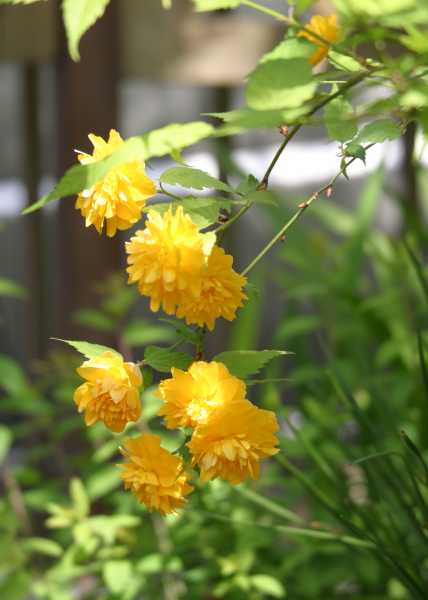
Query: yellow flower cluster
(231, 435)
(327, 32)
(119, 198)
(175, 267)
(184, 273)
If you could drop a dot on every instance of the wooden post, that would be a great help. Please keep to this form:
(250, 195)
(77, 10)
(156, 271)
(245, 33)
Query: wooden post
(36, 309)
(87, 95)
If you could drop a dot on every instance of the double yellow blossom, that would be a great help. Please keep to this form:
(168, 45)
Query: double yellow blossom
(232, 442)
(231, 435)
(173, 265)
(154, 475)
(327, 28)
(120, 196)
(167, 259)
(191, 396)
(111, 392)
(221, 293)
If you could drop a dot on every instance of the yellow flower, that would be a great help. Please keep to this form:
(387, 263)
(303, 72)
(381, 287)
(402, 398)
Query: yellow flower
(221, 293)
(325, 27)
(111, 392)
(154, 475)
(167, 259)
(190, 397)
(233, 441)
(120, 197)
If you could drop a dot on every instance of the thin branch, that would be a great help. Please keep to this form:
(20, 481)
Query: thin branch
(297, 215)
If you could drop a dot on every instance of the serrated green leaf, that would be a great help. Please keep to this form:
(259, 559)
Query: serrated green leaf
(79, 16)
(153, 143)
(243, 363)
(268, 585)
(379, 131)
(278, 84)
(340, 120)
(12, 289)
(189, 177)
(205, 5)
(86, 348)
(246, 118)
(163, 359)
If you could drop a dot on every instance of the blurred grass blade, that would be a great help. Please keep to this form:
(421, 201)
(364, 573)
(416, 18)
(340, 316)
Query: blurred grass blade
(269, 505)
(416, 452)
(418, 268)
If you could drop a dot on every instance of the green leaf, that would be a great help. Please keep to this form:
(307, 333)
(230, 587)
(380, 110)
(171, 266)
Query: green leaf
(379, 131)
(12, 289)
(356, 150)
(344, 62)
(79, 16)
(415, 40)
(205, 5)
(102, 482)
(188, 177)
(95, 319)
(340, 120)
(12, 377)
(86, 348)
(117, 575)
(79, 498)
(163, 359)
(5, 442)
(153, 143)
(246, 118)
(268, 585)
(289, 48)
(243, 363)
(141, 332)
(41, 545)
(192, 335)
(263, 197)
(280, 84)
(203, 211)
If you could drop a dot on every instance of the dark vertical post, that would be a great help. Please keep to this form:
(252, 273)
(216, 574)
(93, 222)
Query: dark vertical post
(34, 239)
(87, 95)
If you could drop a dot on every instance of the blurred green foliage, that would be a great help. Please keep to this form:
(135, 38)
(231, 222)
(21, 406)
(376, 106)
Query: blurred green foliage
(353, 305)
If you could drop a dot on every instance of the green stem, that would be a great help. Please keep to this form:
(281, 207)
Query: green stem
(268, 11)
(290, 135)
(234, 218)
(297, 216)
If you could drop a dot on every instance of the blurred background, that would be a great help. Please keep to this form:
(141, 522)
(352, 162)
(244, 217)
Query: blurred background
(141, 67)
(341, 293)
